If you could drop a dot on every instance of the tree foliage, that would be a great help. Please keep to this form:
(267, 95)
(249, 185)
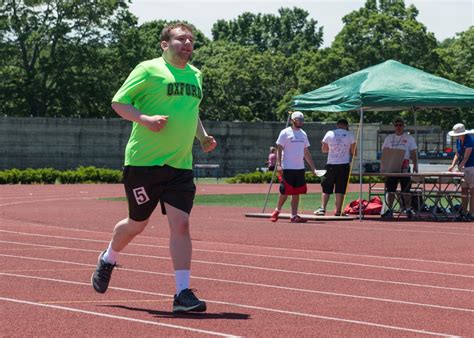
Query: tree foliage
(68, 58)
(53, 49)
(287, 33)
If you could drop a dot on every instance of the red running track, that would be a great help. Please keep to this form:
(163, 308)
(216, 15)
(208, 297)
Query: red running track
(354, 278)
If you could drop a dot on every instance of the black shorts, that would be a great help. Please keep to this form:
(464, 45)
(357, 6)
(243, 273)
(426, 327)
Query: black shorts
(293, 182)
(146, 186)
(336, 176)
(391, 184)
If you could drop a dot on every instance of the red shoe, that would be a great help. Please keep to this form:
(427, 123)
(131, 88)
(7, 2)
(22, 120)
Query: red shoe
(298, 219)
(274, 216)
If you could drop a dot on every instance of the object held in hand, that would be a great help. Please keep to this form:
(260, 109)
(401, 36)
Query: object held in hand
(320, 173)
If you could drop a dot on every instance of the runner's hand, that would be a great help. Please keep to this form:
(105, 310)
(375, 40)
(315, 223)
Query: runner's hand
(208, 143)
(154, 123)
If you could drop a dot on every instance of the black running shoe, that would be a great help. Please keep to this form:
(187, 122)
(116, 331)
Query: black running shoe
(101, 277)
(186, 301)
(387, 214)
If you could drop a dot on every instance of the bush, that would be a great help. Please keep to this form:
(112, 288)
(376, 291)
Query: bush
(50, 176)
(261, 177)
(266, 177)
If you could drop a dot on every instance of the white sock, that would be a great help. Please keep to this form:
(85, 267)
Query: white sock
(110, 255)
(182, 280)
(293, 215)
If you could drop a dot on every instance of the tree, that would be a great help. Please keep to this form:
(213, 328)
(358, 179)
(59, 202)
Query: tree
(458, 65)
(287, 33)
(53, 49)
(241, 84)
(67, 58)
(386, 29)
(458, 55)
(379, 31)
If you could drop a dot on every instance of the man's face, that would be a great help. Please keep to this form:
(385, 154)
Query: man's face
(298, 122)
(398, 127)
(181, 44)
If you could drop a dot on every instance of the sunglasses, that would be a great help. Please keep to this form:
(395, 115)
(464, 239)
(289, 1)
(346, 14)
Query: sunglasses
(399, 125)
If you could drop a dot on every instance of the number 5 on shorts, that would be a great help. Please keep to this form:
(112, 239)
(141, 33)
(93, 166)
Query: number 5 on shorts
(140, 195)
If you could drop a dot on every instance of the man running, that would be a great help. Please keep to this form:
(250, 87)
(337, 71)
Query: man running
(161, 97)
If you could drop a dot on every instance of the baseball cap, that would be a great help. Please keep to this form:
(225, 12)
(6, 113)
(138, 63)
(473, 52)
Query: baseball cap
(297, 115)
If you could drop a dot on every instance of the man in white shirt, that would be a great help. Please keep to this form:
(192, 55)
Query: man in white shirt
(400, 140)
(292, 150)
(340, 145)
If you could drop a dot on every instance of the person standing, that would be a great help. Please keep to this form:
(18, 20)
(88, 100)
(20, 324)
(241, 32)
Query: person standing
(161, 97)
(340, 145)
(271, 159)
(292, 150)
(400, 140)
(464, 158)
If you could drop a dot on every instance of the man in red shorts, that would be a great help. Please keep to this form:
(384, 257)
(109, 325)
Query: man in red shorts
(292, 145)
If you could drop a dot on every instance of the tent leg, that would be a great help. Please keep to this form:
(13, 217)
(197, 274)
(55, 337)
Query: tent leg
(361, 153)
(416, 133)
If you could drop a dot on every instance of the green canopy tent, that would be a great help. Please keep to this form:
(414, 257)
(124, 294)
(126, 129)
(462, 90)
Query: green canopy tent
(388, 86)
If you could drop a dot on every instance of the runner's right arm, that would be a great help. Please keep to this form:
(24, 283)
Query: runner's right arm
(130, 113)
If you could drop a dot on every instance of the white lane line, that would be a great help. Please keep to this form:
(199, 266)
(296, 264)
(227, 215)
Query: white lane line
(324, 225)
(372, 221)
(301, 314)
(248, 221)
(326, 293)
(100, 314)
(256, 247)
(48, 247)
(280, 257)
(48, 200)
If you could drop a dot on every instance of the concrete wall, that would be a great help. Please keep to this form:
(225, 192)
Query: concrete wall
(68, 143)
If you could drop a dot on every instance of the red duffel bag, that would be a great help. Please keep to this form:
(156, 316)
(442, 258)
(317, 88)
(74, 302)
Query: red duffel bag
(372, 207)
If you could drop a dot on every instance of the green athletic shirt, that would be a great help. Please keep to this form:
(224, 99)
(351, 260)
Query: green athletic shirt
(155, 87)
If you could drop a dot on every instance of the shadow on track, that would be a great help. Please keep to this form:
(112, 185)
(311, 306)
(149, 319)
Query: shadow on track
(189, 315)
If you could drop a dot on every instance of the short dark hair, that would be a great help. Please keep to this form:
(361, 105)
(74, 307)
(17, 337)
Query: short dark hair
(166, 32)
(343, 122)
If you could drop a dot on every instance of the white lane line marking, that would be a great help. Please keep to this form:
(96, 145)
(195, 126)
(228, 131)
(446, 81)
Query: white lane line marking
(196, 242)
(49, 247)
(253, 267)
(281, 257)
(48, 200)
(100, 314)
(323, 225)
(302, 314)
(248, 221)
(260, 285)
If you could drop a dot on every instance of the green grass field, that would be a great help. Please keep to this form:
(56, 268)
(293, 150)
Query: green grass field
(307, 202)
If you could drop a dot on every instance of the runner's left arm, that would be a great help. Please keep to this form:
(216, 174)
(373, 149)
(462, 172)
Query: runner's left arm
(208, 143)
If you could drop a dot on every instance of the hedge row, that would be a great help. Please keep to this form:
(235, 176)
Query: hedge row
(50, 176)
(266, 177)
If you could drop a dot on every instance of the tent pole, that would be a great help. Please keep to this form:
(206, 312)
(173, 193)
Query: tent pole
(416, 128)
(361, 152)
(416, 132)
